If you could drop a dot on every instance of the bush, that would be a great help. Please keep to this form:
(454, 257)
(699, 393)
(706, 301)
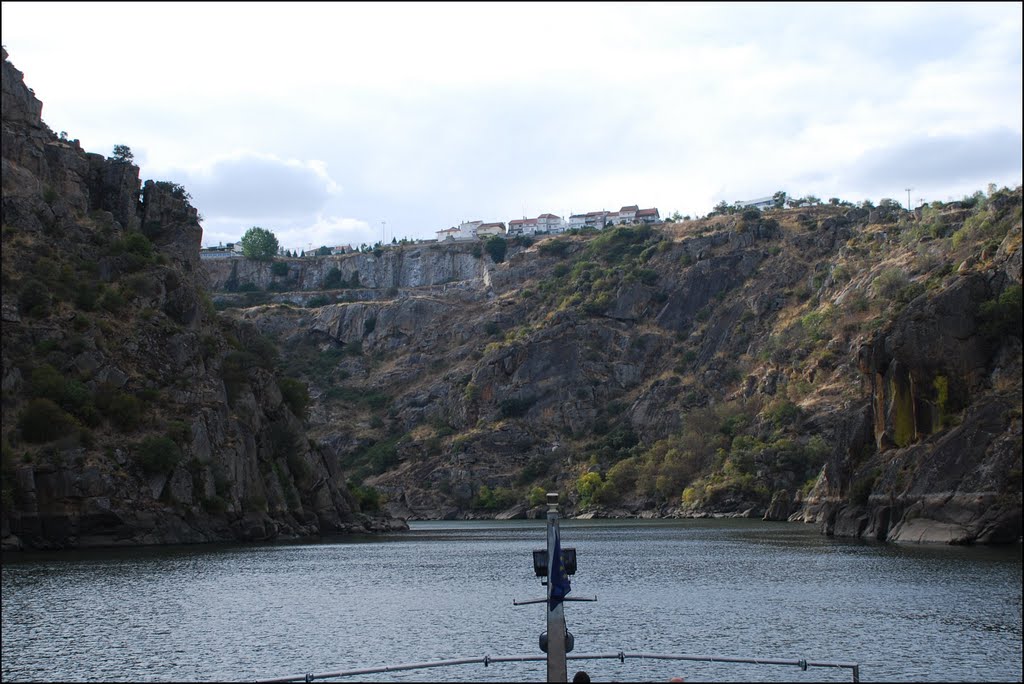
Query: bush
(368, 498)
(279, 268)
(125, 412)
(555, 248)
(496, 248)
(158, 455)
(332, 280)
(34, 299)
(516, 407)
(889, 283)
(1001, 317)
(43, 421)
(295, 394)
(134, 242)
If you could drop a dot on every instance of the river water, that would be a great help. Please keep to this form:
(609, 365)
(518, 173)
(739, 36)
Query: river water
(445, 590)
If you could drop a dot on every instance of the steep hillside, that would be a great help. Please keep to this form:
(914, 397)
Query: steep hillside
(132, 413)
(856, 367)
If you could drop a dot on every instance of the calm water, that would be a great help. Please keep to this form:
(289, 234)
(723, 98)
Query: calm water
(445, 590)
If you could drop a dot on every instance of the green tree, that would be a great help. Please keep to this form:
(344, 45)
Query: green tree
(123, 153)
(259, 243)
(780, 199)
(496, 247)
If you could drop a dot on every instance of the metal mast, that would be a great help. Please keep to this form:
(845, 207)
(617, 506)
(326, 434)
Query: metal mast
(557, 671)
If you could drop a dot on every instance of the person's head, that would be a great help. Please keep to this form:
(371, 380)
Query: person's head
(581, 676)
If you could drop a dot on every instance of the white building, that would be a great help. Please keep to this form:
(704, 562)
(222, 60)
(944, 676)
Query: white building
(523, 226)
(761, 203)
(490, 229)
(625, 215)
(577, 221)
(648, 215)
(549, 223)
(468, 228)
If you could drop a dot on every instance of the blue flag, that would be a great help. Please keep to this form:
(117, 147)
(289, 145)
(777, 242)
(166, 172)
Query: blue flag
(559, 580)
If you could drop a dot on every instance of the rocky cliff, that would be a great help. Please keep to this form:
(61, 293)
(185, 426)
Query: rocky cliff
(853, 367)
(132, 413)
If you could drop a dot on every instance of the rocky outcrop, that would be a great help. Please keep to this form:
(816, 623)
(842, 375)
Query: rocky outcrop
(383, 268)
(132, 413)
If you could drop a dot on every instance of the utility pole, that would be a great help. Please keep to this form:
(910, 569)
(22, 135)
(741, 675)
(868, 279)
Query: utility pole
(382, 234)
(908, 199)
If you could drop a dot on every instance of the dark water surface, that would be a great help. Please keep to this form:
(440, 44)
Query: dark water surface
(445, 590)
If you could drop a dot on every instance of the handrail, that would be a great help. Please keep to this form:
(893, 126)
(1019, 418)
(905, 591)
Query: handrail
(621, 656)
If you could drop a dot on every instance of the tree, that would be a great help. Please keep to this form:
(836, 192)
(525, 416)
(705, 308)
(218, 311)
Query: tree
(259, 243)
(123, 153)
(780, 199)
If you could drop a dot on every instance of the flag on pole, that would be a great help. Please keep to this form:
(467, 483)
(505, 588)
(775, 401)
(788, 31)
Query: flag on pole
(559, 580)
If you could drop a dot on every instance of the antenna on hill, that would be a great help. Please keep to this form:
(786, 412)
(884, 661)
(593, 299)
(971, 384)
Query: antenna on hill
(908, 199)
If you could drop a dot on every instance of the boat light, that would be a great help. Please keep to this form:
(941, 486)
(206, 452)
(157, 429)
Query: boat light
(540, 561)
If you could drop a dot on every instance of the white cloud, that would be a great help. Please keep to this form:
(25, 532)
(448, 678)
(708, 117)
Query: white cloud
(431, 113)
(249, 185)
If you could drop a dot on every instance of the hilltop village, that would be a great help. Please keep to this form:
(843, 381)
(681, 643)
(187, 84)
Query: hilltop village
(545, 224)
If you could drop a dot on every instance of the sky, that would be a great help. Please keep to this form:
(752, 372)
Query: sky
(349, 123)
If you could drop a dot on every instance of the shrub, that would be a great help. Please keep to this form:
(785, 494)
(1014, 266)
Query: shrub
(1001, 317)
(889, 283)
(124, 411)
(158, 455)
(496, 248)
(279, 268)
(43, 421)
(332, 280)
(295, 394)
(367, 497)
(588, 485)
(34, 299)
(555, 248)
(515, 407)
(317, 301)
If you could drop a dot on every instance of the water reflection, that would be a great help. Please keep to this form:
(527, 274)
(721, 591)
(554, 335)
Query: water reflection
(440, 590)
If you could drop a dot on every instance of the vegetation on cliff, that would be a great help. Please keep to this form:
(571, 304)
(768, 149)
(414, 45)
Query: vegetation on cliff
(745, 363)
(132, 413)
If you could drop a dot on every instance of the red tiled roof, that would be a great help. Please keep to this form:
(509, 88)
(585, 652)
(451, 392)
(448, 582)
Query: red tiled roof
(647, 212)
(492, 225)
(547, 216)
(631, 207)
(521, 221)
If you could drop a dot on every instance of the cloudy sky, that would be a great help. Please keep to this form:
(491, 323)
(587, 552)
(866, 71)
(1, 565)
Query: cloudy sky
(340, 123)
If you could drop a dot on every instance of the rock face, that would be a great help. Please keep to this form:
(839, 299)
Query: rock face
(856, 369)
(730, 370)
(418, 267)
(133, 415)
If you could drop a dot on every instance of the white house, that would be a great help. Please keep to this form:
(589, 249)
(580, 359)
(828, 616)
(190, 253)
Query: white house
(448, 234)
(550, 223)
(490, 229)
(761, 203)
(648, 215)
(577, 221)
(627, 214)
(523, 226)
(469, 228)
(596, 219)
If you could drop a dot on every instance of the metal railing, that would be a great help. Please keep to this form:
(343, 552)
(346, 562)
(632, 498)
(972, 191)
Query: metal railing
(621, 656)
